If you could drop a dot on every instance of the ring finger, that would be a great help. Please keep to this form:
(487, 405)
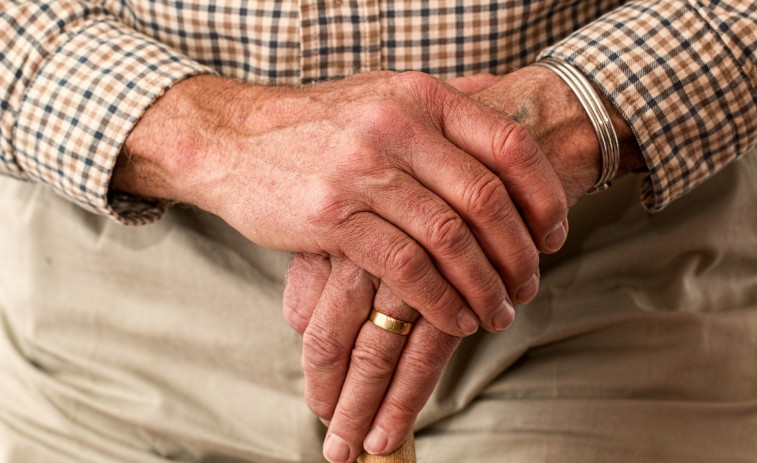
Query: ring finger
(374, 358)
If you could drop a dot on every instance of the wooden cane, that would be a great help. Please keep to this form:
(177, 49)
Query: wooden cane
(404, 454)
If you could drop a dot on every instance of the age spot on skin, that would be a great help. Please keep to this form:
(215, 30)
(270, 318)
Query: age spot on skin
(521, 115)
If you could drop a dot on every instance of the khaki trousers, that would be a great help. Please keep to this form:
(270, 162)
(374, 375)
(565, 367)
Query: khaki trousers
(166, 342)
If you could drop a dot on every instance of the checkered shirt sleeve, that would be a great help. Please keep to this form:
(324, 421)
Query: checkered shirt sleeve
(73, 82)
(76, 75)
(684, 76)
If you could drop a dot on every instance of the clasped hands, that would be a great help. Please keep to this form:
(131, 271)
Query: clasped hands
(396, 191)
(368, 384)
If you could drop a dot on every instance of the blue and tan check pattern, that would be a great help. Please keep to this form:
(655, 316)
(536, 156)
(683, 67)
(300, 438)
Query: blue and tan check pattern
(684, 75)
(75, 76)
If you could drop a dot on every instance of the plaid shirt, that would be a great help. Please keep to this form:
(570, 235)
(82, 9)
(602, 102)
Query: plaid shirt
(76, 75)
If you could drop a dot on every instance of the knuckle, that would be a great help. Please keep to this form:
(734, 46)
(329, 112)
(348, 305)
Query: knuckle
(448, 233)
(340, 194)
(508, 213)
(486, 196)
(392, 180)
(549, 204)
(391, 304)
(402, 409)
(347, 275)
(437, 300)
(406, 262)
(366, 159)
(429, 89)
(321, 352)
(417, 80)
(384, 115)
(490, 288)
(371, 363)
(330, 205)
(450, 103)
(525, 262)
(515, 147)
(426, 365)
(352, 419)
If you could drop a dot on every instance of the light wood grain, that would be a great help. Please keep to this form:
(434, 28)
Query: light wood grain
(404, 454)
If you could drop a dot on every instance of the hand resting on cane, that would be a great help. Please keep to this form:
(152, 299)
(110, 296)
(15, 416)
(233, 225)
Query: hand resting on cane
(390, 170)
(378, 381)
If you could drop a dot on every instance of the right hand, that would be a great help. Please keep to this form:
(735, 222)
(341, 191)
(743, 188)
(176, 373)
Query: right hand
(393, 171)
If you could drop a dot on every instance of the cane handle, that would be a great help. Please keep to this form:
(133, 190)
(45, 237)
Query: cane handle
(404, 454)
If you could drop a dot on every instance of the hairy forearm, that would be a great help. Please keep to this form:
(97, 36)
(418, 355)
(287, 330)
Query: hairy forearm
(387, 169)
(178, 149)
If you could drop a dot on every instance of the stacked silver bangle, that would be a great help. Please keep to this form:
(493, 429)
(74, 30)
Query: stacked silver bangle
(600, 119)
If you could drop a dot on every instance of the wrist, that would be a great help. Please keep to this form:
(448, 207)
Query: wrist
(176, 151)
(540, 100)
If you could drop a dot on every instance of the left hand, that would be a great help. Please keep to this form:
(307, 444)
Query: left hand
(331, 309)
(352, 367)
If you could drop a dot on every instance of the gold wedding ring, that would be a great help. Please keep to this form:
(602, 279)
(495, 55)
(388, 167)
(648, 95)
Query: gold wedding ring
(390, 324)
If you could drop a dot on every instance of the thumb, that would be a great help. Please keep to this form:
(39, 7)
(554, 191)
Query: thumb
(473, 84)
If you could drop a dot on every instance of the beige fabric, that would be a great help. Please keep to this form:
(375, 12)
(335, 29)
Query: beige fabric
(166, 342)
(640, 347)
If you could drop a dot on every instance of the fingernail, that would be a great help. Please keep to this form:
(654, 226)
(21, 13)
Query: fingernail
(376, 441)
(556, 238)
(528, 290)
(336, 449)
(325, 422)
(503, 317)
(467, 322)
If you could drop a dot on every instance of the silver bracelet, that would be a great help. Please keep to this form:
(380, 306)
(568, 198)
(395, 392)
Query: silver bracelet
(600, 119)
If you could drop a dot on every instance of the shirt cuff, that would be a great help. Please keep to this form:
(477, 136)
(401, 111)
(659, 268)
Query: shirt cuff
(680, 80)
(82, 103)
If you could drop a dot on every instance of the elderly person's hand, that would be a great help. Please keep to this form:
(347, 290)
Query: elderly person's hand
(363, 378)
(349, 363)
(393, 171)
